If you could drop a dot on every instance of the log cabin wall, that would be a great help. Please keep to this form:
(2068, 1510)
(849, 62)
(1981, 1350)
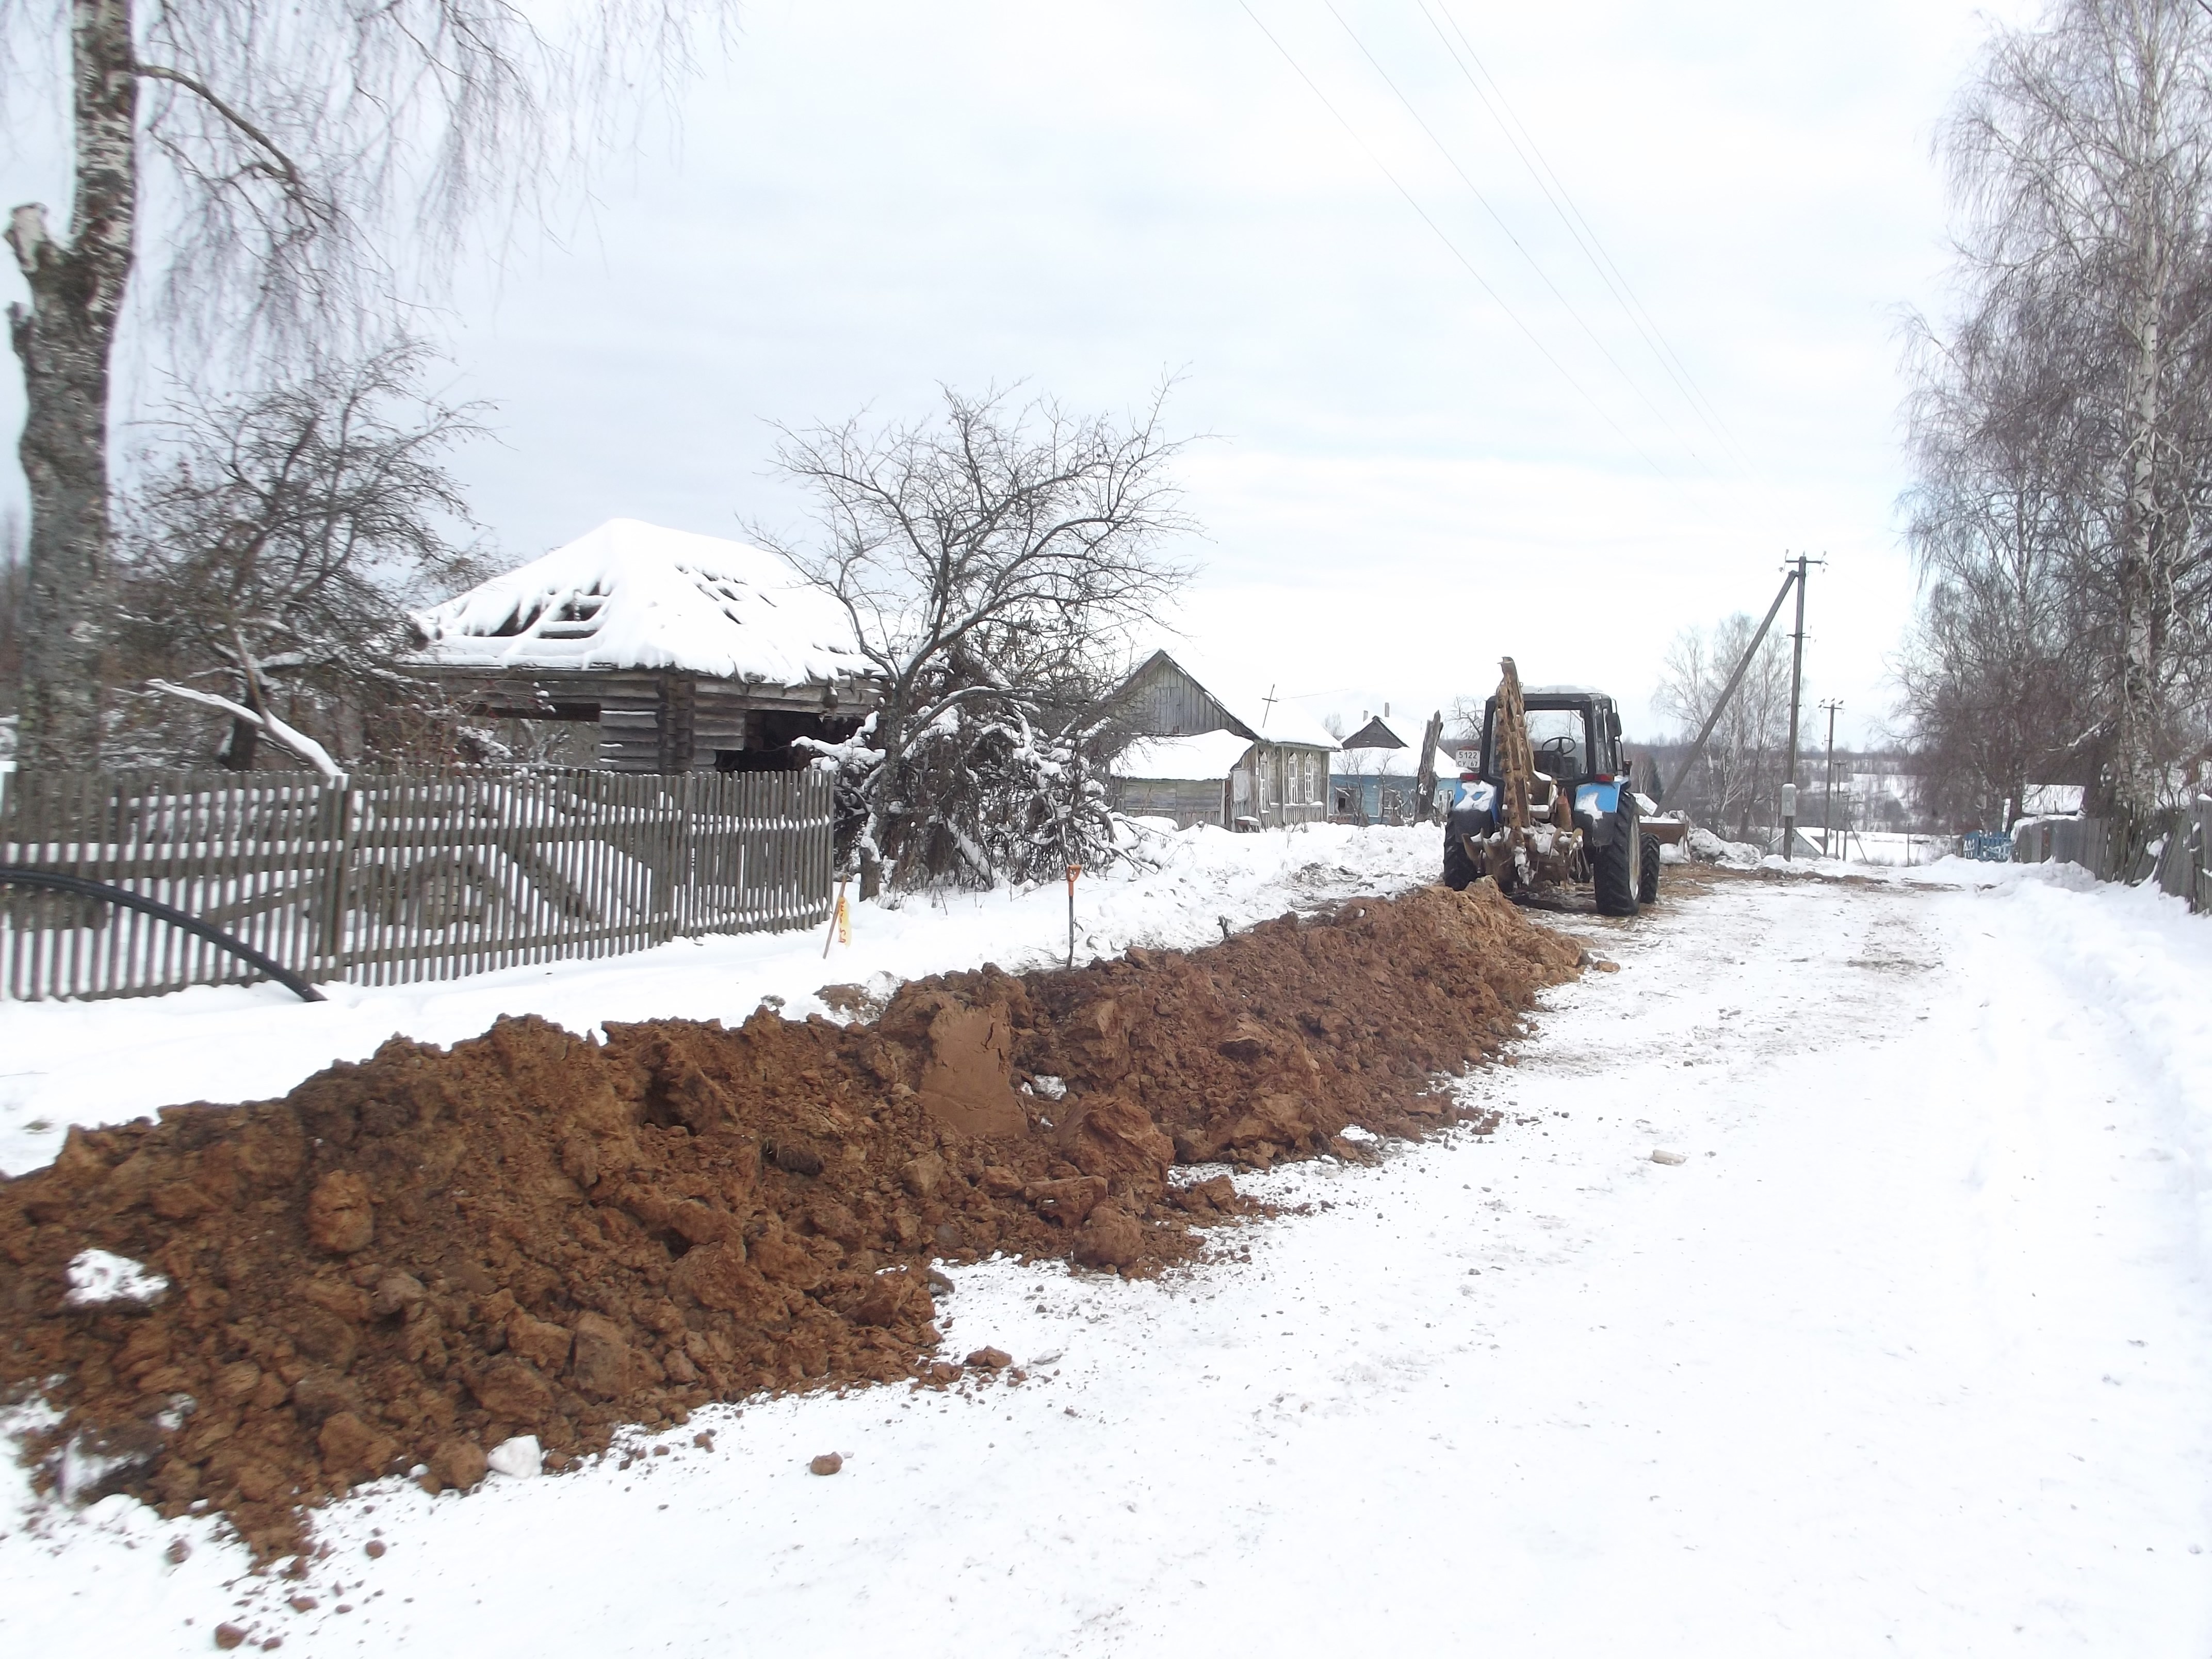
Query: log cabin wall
(1187, 800)
(665, 723)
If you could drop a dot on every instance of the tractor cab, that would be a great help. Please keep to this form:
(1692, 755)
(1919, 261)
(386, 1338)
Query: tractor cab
(1574, 735)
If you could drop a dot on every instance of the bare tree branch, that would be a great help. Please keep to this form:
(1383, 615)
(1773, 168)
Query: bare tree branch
(285, 166)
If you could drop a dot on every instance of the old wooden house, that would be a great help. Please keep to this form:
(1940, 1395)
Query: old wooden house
(665, 651)
(1219, 751)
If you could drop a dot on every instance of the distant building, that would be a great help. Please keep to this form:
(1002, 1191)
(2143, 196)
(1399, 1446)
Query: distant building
(1376, 776)
(676, 651)
(1218, 751)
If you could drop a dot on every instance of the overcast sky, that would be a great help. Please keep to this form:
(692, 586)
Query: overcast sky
(1417, 466)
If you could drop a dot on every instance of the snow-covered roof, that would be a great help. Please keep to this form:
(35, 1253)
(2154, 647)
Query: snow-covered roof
(635, 595)
(1259, 708)
(1207, 757)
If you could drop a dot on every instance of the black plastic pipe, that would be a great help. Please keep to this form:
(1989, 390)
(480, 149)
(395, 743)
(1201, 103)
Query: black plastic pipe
(14, 875)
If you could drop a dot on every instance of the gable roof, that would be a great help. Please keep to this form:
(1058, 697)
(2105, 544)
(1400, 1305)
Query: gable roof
(635, 595)
(1375, 734)
(1255, 711)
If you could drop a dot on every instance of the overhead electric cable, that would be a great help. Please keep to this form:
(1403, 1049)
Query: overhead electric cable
(1481, 281)
(1585, 235)
(1521, 248)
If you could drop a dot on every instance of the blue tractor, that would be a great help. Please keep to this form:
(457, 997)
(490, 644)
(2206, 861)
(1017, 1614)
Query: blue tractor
(1550, 806)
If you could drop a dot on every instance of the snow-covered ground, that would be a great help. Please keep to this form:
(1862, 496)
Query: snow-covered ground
(1909, 1354)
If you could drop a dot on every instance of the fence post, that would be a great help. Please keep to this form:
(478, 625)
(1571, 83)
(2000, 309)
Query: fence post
(328, 964)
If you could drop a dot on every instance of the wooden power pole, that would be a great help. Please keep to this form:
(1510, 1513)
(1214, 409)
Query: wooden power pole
(1796, 687)
(1828, 782)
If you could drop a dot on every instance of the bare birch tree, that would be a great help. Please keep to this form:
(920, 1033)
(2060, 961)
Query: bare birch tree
(2061, 419)
(985, 558)
(316, 164)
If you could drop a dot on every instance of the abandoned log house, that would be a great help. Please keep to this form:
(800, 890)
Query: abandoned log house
(658, 650)
(1218, 752)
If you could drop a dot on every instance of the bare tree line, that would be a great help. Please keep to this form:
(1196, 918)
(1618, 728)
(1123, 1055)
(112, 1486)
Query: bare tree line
(2061, 421)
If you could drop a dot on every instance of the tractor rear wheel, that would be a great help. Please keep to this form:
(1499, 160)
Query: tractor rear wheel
(1613, 869)
(1459, 869)
(1647, 885)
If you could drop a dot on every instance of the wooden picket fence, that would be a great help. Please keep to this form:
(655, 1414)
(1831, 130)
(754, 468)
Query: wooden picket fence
(397, 877)
(2179, 858)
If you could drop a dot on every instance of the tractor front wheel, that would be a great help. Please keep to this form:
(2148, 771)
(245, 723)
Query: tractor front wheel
(1459, 869)
(1647, 885)
(1613, 869)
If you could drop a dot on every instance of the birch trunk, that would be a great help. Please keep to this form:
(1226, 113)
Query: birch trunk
(2136, 779)
(2136, 764)
(63, 338)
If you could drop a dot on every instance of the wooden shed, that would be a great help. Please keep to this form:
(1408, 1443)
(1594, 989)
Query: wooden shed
(1279, 776)
(682, 652)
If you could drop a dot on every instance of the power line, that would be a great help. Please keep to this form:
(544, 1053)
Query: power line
(1499, 219)
(1584, 233)
(1481, 281)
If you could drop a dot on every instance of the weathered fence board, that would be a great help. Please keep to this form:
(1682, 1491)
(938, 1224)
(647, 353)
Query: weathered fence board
(2182, 864)
(394, 878)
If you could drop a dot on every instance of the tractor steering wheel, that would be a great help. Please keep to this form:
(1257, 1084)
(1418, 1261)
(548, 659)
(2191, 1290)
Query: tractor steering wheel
(1553, 755)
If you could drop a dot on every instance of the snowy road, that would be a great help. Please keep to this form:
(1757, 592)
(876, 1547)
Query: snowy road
(1909, 1355)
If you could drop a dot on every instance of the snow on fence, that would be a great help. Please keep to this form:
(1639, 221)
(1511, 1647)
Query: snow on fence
(397, 877)
(2180, 857)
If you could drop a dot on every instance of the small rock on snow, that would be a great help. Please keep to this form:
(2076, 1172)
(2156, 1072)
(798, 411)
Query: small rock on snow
(828, 1463)
(228, 1636)
(518, 1456)
(1660, 1154)
(994, 1359)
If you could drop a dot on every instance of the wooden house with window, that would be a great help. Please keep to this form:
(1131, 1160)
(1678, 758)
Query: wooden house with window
(1218, 750)
(1376, 776)
(666, 651)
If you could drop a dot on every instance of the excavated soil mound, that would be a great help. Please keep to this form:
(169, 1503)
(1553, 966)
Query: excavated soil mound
(404, 1263)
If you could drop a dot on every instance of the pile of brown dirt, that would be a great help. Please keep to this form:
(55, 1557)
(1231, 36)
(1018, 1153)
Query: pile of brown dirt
(405, 1261)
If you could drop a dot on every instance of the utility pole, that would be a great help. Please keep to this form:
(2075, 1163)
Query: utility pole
(1796, 687)
(1828, 787)
(1688, 764)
